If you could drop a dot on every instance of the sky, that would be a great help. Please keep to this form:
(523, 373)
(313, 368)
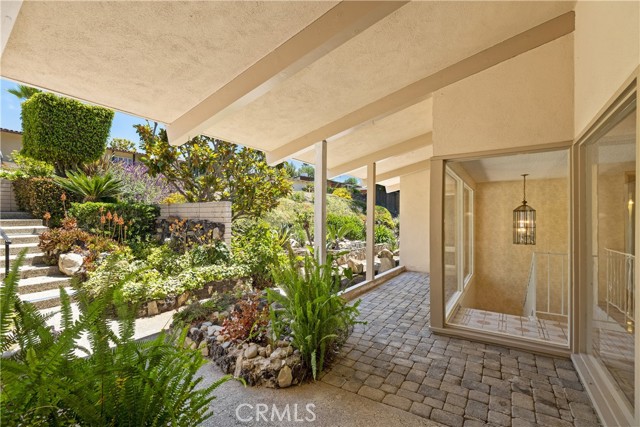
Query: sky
(121, 127)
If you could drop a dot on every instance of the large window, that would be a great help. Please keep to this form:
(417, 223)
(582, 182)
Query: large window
(610, 257)
(458, 236)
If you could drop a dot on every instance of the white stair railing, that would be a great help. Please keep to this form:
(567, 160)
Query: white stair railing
(529, 306)
(620, 272)
(549, 274)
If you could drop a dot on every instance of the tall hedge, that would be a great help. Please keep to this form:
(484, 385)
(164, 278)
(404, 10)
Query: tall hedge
(63, 131)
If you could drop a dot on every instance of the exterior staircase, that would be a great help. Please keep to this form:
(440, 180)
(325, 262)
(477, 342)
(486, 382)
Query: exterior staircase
(39, 283)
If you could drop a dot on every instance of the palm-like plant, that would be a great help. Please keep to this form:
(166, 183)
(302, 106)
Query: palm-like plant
(97, 188)
(24, 92)
(119, 382)
(311, 308)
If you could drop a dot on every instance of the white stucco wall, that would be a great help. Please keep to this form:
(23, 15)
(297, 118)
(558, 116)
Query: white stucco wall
(527, 100)
(414, 221)
(607, 51)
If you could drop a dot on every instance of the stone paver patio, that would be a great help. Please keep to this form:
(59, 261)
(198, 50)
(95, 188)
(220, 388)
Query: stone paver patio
(396, 360)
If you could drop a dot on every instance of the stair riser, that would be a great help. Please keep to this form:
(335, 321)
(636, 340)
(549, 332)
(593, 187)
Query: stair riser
(37, 287)
(20, 222)
(48, 303)
(15, 250)
(25, 274)
(22, 239)
(28, 230)
(35, 260)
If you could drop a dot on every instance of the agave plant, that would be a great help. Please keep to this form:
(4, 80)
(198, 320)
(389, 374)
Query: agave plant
(118, 382)
(96, 188)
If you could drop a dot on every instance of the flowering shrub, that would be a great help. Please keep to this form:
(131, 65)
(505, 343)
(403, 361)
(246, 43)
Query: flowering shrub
(140, 187)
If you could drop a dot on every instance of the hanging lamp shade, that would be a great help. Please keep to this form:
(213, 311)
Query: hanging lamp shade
(524, 220)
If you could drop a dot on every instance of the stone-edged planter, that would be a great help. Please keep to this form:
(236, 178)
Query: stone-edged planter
(154, 307)
(274, 366)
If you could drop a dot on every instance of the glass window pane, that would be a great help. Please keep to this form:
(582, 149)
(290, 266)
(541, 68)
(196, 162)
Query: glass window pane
(611, 175)
(450, 236)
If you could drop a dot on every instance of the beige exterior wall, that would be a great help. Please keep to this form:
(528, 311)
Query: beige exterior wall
(607, 51)
(10, 142)
(414, 221)
(527, 100)
(7, 198)
(502, 268)
(212, 211)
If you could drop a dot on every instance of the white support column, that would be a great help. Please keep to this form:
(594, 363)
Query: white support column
(371, 220)
(320, 202)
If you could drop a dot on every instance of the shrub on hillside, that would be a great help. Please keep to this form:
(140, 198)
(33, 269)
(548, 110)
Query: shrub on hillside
(139, 217)
(383, 217)
(385, 235)
(355, 229)
(343, 193)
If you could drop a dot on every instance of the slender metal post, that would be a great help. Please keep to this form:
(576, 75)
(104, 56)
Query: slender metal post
(371, 220)
(6, 258)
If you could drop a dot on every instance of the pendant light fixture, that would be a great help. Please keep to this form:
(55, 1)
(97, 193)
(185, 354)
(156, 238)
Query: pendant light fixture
(524, 220)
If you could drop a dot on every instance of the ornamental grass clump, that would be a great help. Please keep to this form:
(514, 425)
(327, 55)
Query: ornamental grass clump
(312, 312)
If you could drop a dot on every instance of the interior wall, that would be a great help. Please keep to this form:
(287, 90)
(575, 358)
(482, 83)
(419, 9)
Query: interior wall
(414, 221)
(607, 51)
(527, 100)
(502, 268)
(612, 212)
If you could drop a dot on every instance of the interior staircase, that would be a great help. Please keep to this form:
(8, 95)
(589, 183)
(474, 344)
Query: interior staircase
(39, 283)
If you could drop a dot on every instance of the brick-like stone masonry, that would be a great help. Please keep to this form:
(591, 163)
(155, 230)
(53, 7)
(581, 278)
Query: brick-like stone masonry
(396, 360)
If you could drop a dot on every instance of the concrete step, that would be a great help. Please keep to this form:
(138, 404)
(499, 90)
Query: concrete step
(21, 238)
(43, 283)
(20, 222)
(15, 215)
(38, 270)
(29, 259)
(24, 229)
(15, 249)
(46, 299)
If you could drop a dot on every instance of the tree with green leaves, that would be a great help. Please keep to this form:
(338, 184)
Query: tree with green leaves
(24, 92)
(207, 169)
(307, 170)
(291, 169)
(121, 144)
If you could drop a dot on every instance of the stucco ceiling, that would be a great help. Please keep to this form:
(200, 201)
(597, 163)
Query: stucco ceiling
(160, 60)
(546, 165)
(152, 59)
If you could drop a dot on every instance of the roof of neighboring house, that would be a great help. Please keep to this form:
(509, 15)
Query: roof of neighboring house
(17, 132)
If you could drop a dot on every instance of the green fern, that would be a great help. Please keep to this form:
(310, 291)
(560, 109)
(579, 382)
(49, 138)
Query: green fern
(120, 382)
